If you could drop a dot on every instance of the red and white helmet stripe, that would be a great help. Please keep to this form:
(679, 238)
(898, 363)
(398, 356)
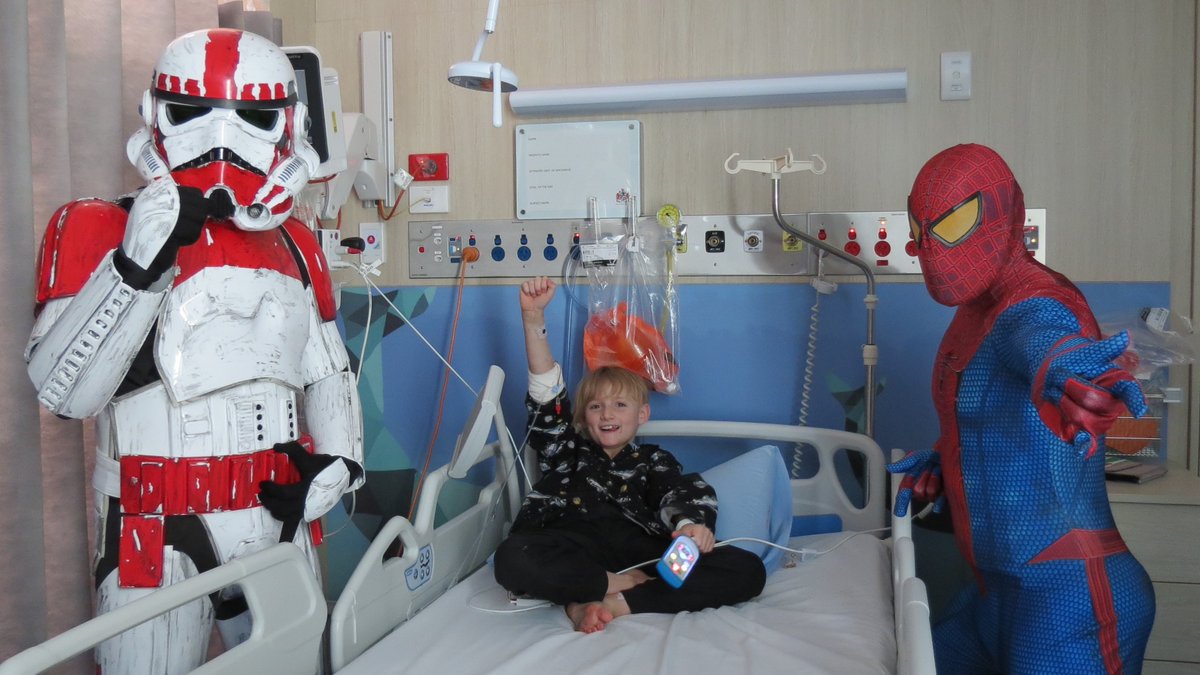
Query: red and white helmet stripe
(225, 65)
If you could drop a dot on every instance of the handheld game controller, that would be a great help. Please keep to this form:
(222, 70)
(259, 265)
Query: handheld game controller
(679, 560)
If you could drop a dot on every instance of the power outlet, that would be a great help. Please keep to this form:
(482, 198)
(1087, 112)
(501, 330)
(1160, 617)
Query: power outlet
(374, 243)
(331, 245)
(429, 199)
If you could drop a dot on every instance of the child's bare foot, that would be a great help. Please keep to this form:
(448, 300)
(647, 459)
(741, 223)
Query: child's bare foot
(589, 617)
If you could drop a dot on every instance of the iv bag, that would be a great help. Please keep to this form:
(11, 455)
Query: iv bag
(632, 307)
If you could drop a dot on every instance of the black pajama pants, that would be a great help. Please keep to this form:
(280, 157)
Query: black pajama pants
(569, 560)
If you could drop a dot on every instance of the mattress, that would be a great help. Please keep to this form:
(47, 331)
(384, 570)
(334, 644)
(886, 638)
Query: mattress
(828, 614)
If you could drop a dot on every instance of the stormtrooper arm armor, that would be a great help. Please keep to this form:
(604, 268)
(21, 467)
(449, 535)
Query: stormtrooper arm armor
(334, 417)
(78, 362)
(81, 347)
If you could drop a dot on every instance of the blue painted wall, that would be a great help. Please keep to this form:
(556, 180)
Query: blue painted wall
(741, 353)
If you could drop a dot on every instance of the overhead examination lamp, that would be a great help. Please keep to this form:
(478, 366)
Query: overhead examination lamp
(482, 76)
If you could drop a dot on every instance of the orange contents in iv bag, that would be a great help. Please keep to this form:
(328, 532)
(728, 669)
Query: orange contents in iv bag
(613, 338)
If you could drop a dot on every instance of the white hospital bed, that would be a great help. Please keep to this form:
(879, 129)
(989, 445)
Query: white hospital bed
(859, 608)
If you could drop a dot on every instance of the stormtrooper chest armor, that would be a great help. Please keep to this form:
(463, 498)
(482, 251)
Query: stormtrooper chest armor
(230, 348)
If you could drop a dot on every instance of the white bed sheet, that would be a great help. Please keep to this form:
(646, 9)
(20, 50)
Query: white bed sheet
(830, 614)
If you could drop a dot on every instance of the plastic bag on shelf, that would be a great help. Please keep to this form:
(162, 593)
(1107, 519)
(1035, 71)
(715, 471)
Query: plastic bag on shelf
(1158, 338)
(632, 306)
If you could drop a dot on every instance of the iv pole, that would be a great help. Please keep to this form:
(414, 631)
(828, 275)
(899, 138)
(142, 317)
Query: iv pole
(775, 168)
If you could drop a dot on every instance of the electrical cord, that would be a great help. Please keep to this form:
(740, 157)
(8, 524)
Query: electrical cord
(395, 205)
(570, 272)
(408, 322)
(804, 553)
(373, 290)
(820, 287)
(518, 458)
(362, 352)
(362, 355)
(441, 408)
(454, 578)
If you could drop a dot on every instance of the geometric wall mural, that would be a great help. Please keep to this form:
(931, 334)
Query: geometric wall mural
(743, 351)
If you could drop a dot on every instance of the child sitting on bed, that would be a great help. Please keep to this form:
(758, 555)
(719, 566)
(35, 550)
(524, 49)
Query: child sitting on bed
(605, 503)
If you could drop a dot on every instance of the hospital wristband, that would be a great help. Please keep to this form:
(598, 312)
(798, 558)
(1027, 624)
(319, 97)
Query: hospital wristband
(543, 387)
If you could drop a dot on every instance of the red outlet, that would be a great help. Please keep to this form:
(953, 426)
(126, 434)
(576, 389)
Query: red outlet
(430, 166)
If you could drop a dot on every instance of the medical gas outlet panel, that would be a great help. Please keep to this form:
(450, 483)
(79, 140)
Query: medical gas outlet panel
(721, 245)
(504, 248)
(884, 241)
(881, 240)
(704, 245)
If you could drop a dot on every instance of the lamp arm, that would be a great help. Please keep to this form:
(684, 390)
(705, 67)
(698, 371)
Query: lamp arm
(479, 45)
(489, 25)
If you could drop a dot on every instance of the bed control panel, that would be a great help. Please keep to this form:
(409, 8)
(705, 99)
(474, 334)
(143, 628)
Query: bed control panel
(421, 571)
(679, 560)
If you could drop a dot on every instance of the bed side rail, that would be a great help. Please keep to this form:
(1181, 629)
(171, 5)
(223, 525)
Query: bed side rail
(914, 638)
(821, 494)
(287, 606)
(383, 593)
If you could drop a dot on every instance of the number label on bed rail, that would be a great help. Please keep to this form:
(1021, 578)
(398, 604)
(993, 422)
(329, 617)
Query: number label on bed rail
(421, 571)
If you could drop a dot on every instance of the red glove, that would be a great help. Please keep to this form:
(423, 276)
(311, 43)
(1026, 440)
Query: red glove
(1088, 409)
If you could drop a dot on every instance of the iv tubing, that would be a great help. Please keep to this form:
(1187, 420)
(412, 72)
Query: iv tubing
(869, 349)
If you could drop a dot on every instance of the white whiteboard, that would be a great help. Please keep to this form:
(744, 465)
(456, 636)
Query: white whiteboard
(561, 165)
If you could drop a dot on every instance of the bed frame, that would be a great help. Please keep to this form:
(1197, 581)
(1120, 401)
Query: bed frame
(383, 593)
(287, 607)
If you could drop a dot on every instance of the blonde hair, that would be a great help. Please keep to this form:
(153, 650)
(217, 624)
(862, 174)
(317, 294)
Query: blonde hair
(607, 380)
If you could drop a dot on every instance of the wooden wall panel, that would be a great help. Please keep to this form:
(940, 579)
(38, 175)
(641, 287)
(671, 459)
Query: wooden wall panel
(1090, 101)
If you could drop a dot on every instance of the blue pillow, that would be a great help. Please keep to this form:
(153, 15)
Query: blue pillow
(754, 499)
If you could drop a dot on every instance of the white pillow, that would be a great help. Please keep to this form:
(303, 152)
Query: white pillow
(754, 499)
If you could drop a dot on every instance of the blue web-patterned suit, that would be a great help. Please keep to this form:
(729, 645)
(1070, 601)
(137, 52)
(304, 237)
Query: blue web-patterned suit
(1023, 387)
(1057, 591)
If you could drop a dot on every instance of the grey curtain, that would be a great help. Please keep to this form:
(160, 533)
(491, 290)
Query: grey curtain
(72, 73)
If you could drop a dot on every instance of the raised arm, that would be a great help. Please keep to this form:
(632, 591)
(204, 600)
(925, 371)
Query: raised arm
(536, 293)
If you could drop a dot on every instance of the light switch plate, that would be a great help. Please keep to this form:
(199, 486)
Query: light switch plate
(956, 76)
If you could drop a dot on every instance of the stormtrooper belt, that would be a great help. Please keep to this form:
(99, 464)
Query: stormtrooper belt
(151, 487)
(173, 486)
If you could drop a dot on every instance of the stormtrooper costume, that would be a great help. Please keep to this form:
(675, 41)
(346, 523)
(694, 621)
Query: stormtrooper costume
(195, 321)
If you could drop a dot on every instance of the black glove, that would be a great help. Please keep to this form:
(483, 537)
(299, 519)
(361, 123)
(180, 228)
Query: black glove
(286, 501)
(194, 209)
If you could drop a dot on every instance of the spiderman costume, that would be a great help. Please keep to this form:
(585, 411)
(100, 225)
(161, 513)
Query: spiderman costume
(1024, 387)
